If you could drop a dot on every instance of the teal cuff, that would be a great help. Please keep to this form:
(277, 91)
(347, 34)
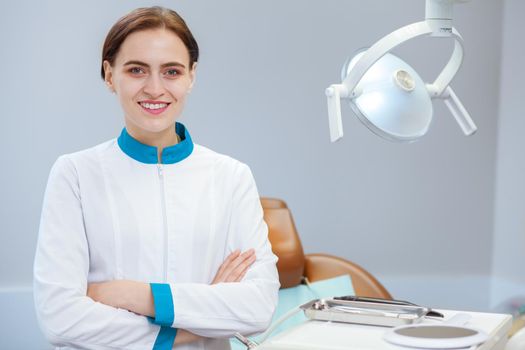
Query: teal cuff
(163, 302)
(165, 338)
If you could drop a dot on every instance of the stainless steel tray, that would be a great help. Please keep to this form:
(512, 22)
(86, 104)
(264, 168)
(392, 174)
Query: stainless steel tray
(379, 314)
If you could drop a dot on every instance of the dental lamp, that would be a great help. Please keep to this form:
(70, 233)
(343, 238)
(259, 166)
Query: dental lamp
(388, 95)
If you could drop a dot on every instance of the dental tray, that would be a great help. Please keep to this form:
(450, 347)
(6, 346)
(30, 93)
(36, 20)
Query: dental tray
(364, 312)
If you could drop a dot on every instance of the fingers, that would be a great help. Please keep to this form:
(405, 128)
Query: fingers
(238, 265)
(220, 274)
(235, 266)
(238, 273)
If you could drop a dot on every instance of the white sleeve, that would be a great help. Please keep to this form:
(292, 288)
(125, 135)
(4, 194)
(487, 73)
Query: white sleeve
(66, 315)
(247, 307)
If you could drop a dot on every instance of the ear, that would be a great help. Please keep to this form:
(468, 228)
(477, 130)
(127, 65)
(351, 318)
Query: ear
(108, 75)
(192, 75)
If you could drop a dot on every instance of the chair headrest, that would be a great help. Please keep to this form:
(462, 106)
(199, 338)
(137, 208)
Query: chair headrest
(285, 241)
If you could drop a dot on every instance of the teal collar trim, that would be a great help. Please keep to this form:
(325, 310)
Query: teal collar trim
(148, 154)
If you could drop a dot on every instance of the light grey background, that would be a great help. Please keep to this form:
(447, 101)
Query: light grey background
(439, 221)
(509, 238)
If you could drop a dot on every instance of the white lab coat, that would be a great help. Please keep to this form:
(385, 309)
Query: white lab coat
(107, 216)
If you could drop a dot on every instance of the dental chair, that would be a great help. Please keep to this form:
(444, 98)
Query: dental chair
(295, 267)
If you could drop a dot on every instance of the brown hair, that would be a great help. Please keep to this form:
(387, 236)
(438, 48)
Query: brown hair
(147, 18)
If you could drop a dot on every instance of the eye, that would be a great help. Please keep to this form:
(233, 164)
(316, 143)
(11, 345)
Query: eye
(172, 73)
(136, 70)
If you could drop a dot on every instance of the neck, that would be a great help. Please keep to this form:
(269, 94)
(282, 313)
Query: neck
(165, 138)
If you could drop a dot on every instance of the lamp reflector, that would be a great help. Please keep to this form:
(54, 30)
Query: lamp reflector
(393, 101)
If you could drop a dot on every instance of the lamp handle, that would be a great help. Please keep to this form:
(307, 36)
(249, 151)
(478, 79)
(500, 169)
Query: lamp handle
(333, 97)
(459, 112)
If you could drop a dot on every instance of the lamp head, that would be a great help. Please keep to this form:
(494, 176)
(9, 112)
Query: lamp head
(393, 101)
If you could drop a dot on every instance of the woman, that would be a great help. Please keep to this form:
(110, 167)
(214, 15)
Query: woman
(142, 235)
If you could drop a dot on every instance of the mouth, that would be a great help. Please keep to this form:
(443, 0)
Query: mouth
(154, 107)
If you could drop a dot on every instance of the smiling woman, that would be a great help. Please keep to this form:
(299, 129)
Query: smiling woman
(149, 59)
(152, 75)
(149, 240)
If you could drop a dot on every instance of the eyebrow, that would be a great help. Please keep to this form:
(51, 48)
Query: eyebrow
(164, 65)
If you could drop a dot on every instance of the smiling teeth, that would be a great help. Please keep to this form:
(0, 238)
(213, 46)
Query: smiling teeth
(154, 105)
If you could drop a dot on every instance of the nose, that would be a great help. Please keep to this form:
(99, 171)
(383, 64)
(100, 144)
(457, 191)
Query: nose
(153, 86)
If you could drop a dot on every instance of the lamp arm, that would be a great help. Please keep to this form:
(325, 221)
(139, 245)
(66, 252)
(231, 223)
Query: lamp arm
(444, 78)
(382, 47)
(396, 38)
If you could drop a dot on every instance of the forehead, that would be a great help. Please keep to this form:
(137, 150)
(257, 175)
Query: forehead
(153, 46)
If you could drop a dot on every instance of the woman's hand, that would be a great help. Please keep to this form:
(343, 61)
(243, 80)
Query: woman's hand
(235, 266)
(232, 269)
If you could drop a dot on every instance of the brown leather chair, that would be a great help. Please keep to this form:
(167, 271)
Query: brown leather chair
(294, 265)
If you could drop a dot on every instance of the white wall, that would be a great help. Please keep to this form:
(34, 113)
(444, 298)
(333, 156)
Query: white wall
(509, 219)
(418, 215)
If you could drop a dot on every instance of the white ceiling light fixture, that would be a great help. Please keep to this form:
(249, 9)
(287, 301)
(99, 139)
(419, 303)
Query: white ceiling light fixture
(388, 95)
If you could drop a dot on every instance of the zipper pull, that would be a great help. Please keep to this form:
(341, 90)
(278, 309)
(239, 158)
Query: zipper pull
(159, 167)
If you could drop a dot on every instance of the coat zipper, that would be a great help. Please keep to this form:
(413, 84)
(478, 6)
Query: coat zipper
(164, 222)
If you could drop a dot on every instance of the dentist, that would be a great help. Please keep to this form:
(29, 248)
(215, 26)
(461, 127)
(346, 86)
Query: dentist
(149, 241)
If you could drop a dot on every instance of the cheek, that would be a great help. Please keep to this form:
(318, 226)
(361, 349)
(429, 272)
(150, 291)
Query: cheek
(128, 90)
(178, 89)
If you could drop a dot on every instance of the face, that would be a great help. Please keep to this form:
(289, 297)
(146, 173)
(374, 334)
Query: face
(151, 77)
